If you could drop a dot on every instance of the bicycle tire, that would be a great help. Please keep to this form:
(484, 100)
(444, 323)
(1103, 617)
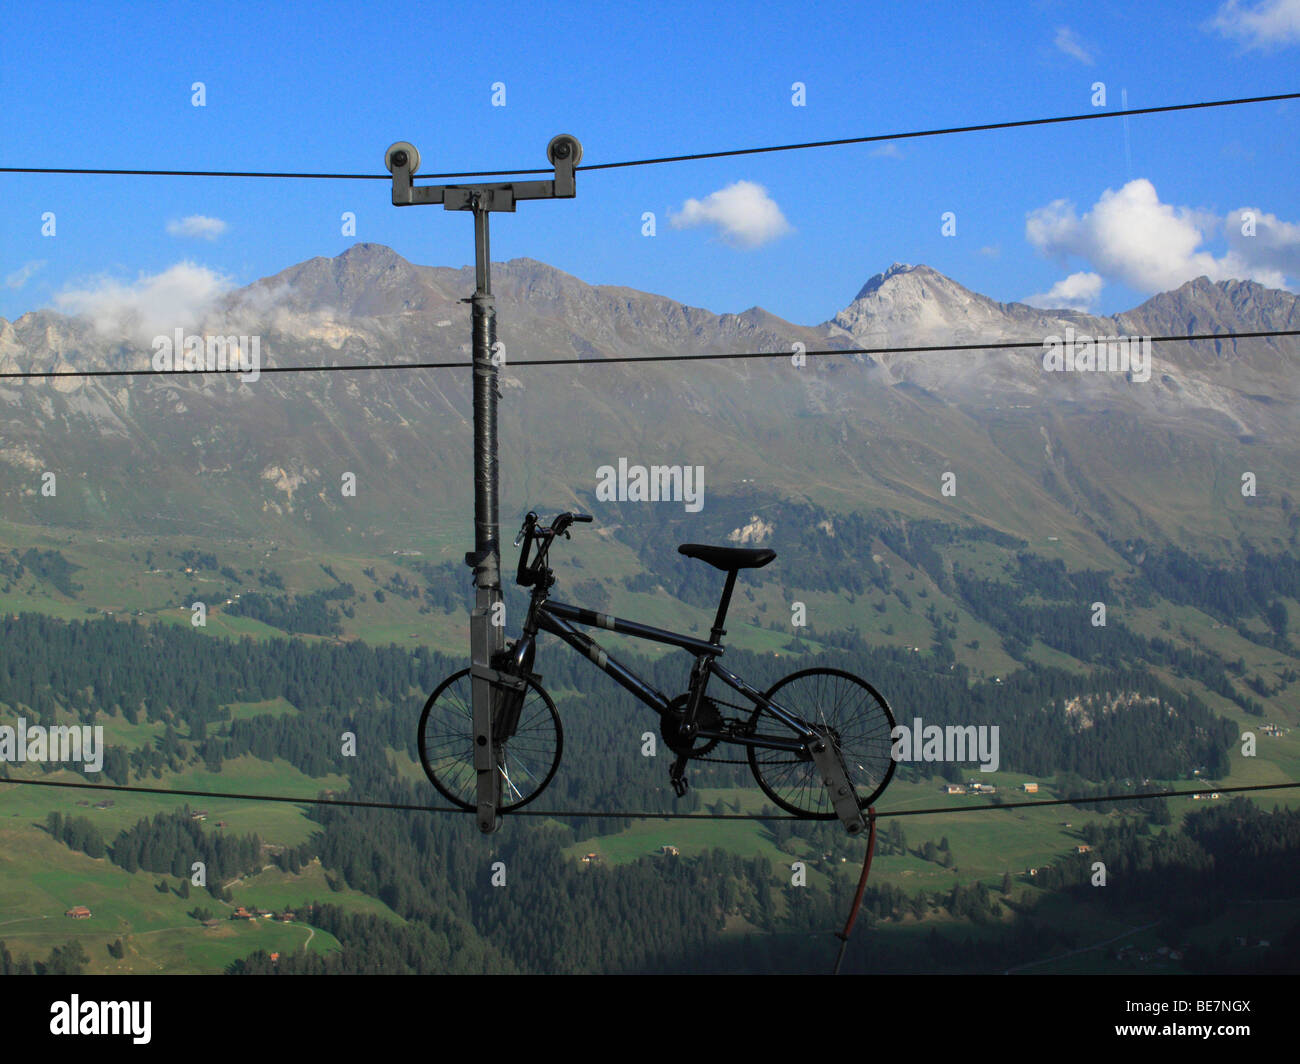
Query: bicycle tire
(528, 760)
(861, 724)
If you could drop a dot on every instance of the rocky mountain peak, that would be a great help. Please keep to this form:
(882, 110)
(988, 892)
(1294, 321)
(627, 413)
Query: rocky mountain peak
(919, 302)
(366, 280)
(879, 279)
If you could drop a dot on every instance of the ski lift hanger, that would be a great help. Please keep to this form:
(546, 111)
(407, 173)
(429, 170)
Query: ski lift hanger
(486, 634)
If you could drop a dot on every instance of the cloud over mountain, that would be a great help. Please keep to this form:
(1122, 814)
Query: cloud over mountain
(1129, 235)
(1079, 291)
(178, 297)
(743, 214)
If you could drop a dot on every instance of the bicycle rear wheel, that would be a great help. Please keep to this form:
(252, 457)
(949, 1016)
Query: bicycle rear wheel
(527, 762)
(854, 715)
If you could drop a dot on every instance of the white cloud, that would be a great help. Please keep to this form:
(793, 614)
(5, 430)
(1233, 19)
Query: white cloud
(743, 213)
(1068, 43)
(888, 150)
(23, 274)
(178, 297)
(1130, 236)
(1079, 291)
(991, 251)
(1264, 25)
(1275, 244)
(197, 225)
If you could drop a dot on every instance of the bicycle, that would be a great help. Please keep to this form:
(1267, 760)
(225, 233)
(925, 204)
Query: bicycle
(818, 742)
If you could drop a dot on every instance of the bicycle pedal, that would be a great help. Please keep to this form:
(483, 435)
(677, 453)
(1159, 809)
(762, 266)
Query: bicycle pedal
(680, 787)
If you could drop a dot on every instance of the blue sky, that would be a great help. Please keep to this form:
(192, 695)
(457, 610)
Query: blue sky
(1063, 210)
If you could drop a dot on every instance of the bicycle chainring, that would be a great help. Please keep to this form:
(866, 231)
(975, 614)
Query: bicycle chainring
(709, 717)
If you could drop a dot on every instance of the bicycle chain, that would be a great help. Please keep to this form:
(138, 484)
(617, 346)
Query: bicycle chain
(725, 760)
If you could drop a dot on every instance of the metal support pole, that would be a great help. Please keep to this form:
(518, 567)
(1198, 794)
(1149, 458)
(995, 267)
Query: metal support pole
(486, 630)
(486, 633)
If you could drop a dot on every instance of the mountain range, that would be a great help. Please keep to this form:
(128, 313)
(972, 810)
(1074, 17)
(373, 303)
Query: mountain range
(1091, 460)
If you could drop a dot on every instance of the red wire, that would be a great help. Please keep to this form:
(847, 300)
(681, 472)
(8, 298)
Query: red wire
(843, 936)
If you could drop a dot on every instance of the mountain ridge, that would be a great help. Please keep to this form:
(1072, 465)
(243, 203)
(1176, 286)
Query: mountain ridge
(1035, 449)
(360, 278)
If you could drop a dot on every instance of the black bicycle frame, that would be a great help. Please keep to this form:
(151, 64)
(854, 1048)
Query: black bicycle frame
(558, 619)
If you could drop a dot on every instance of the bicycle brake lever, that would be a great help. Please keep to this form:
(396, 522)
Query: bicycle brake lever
(532, 516)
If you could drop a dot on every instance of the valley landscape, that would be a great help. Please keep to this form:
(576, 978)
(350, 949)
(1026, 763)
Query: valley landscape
(947, 523)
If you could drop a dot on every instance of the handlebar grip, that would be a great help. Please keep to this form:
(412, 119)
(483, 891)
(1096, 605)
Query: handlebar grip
(582, 517)
(523, 575)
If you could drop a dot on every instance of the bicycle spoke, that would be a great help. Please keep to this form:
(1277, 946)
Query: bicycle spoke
(846, 710)
(528, 759)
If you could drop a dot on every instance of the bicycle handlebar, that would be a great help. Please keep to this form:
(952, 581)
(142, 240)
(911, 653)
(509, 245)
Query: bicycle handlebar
(563, 521)
(526, 574)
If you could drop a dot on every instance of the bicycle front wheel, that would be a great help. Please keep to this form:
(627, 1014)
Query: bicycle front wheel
(858, 721)
(526, 763)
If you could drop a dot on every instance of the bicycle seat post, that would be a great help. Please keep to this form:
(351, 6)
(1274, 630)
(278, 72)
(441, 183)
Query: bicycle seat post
(700, 672)
(718, 631)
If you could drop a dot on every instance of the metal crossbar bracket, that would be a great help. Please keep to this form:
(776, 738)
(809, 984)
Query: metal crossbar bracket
(564, 153)
(830, 766)
(486, 638)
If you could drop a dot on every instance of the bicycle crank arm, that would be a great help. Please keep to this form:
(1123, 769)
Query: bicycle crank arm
(831, 767)
(677, 775)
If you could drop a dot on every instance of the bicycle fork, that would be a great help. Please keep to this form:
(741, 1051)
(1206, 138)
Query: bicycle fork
(512, 665)
(830, 766)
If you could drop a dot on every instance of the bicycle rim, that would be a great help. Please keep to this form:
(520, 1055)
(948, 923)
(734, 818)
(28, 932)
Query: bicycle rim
(858, 720)
(527, 762)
